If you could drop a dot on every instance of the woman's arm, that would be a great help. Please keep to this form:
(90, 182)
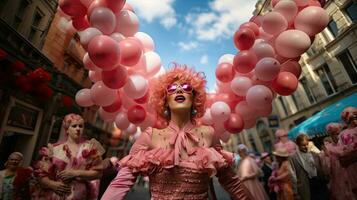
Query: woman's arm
(87, 175)
(58, 187)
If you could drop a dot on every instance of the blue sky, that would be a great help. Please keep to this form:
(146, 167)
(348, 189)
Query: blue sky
(193, 32)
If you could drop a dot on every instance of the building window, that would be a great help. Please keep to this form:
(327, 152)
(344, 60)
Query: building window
(332, 27)
(36, 21)
(327, 79)
(351, 11)
(349, 65)
(20, 13)
(297, 105)
(310, 95)
(283, 105)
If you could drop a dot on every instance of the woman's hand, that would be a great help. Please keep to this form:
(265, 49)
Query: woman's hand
(60, 188)
(68, 174)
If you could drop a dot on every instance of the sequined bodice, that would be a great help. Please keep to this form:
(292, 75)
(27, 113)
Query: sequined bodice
(179, 183)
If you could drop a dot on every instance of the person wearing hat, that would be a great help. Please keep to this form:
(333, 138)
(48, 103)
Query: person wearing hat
(280, 181)
(267, 169)
(284, 142)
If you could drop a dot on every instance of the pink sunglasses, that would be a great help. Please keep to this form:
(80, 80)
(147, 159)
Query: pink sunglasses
(172, 88)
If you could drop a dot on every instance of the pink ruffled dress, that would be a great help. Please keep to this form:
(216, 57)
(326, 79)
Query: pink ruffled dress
(179, 164)
(58, 157)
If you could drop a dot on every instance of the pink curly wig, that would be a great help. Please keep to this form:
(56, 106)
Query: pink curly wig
(181, 74)
(68, 119)
(333, 127)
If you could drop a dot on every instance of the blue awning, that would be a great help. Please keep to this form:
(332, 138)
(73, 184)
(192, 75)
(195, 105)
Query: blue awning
(315, 125)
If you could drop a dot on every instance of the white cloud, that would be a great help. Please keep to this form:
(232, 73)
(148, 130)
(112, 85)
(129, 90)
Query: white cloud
(222, 19)
(161, 10)
(187, 46)
(204, 60)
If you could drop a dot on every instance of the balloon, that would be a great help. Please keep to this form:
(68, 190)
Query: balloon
(115, 5)
(80, 23)
(264, 35)
(259, 96)
(131, 130)
(128, 7)
(285, 84)
(104, 52)
(248, 113)
(114, 107)
(127, 23)
(227, 58)
(148, 122)
(292, 43)
(86, 3)
(252, 26)
(288, 9)
(70, 30)
(240, 85)
(257, 81)
(220, 111)
(106, 116)
(207, 118)
(274, 2)
(301, 3)
(234, 124)
(244, 61)
(244, 38)
(95, 76)
(225, 72)
(152, 63)
(312, 20)
(62, 14)
(225, 136)
(73, 8)
(115, 78)
(136, 114)
(136, 87)
(121, 121)
(130, 51)
(102, 95)
(146, 41)
(87, 35)
(257, 19)
(95, 4)
(88, 63)
(229, 98)
(292, 67)
(143, 99)
(263, 49)
(117, 37)
(83, 98)
(274, 23)
(264, 112)
(127, 101)
(160, 123)
(219, 128)
(103, 19)
(267, 69)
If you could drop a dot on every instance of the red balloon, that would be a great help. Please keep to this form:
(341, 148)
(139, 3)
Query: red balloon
(285, 84)
(136, 114)
(114, 106)
(23, 83)
(244, 38)
(17, 66)
(104, 52)
(3, 54)
(73, 8)
(234, 124)
(252, 26)
(229, 98)
(44, 92)
(244, 61)
(115, 78)
(143, 99)
(115, 5)
(67, 101)
(293, 67)
(130, 51)
(225, 72)
(80, 23)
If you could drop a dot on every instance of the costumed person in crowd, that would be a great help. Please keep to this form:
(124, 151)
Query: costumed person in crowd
(284, 142)
(14, 179)
(69, 170)
(249, 173)
(267, 169)
(280, 181)
(181, 158)
(346, 152)
(307, 176)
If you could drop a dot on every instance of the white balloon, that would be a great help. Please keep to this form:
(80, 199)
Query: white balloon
(228, 58)
(95, 75)
(146, 41)
(121, 120)
(240, 85)
(131, 130)
(127, 23)
(86, 35)
(153, 63)
(220, 111)
(117, 36)
(106, 116)
(136, 87)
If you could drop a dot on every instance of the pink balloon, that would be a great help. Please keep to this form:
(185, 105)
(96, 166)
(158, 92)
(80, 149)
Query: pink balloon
(73, 8)
(240, 85)
(312, 20)
(252, 26)
(117, 37)
(302, 3)
(285, 84)
(265, 36)
(106, 116)
(130, 51)
(148, 122)
(143, 99)
(244, 38)
(257, 19)
(80, 23)
(267, 69)
(102, 95)
(292, 43)
(288, 9)
(83, 98)
(259, 96)
(115, 78)
(127, 23)
(152, 63)
(225, 136)
(114, 107)
(257, 81)
(244, 61)
(95, 76)
(136, 114)
(292, 67)
(88, 63)
(127, 101)
(146, 41)
(263, 49)
(274, 2)
(131, 130)
(86, 3)
(121, 121)
(264, 112)
(245, 110)
(274, 23)
(103, 19)
(207, 118)
(128, 7)
(136, 87)
(95, 4)
(115, 5)
(225, 72)
(62, 14)
(234, 124)
(104, 52)
(87, 35)
(220, 111)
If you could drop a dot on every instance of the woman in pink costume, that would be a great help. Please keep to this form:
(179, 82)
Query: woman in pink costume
(181, 158)
(283, 141)
(69, 170)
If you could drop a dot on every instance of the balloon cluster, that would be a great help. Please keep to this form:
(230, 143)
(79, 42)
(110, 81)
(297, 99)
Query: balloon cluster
(269, 47)
(121, 61)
